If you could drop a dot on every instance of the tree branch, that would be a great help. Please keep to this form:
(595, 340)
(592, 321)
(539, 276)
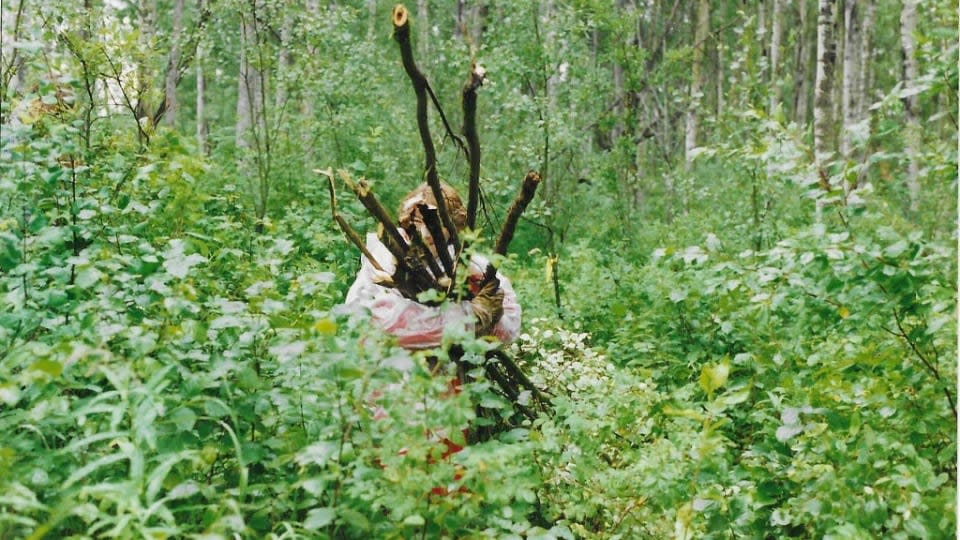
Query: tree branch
(527, 191)
(344, 226)
(401, 33)
(474, 81)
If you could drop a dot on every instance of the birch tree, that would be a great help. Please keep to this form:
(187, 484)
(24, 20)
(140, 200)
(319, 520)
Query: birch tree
(823, 87)
(863, 78)
(851, 70)
(801, 67)
(423, 34)
(696, 82)
(201, 115)
(776, 36)
(146, 21)
(250, 126)
(173, 62)
(284, 58)
(911, 136)
(249, 88)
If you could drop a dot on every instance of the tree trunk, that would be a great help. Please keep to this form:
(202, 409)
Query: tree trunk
(720, 77)
(308, 100)
(838, 43)
(801, 89)
(911, 136)
(249, 91)
(696, 82)
(146, 21)
(250, 131)
(823, 88)
(284, 61)
(762, 37)
(170, 83)
(423, 27)
(202, 127)
(851, 70)
(459, 17)
(863, 90)
(775, 39)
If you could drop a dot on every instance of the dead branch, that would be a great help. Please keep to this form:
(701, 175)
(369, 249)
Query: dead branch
(362, 190)
(411, 276)
(474, 81)
(527, 191)
(401, 33)
(432, 221)
(518, 375)
(423, 252)
(344, 226)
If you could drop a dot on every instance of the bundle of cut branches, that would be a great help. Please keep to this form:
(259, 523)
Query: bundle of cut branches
(417, 270)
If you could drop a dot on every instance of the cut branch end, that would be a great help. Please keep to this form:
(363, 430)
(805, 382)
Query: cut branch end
(400, 16)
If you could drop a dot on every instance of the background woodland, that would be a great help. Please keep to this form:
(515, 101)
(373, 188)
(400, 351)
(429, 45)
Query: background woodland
(739, 275)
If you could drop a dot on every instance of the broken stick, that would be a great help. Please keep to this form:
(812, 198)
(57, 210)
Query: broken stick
(345, 227)
(527, 191)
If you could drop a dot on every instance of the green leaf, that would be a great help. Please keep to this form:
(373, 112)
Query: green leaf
(416, 520)
(318, 518)
(50, 367)
(184, 418)
(215, 408)
(713, 377)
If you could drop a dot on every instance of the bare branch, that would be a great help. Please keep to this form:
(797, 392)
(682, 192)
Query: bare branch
(527, 191)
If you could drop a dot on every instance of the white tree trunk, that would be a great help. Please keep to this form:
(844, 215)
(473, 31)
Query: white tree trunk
(201, 115)
(908, 27)
(776, 36)
(201, 105)
(720, 79)
(696, 82)
(851, 70)
(801, 89)
(423, 34)
(823, 87)
(863, 78)
(284, 58)
(170, 82)
(146, 21)
(308, 105)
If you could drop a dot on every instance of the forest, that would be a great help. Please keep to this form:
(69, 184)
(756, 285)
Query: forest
(737, 274)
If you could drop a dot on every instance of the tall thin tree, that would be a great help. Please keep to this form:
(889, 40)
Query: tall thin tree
(823, 88)
(776, 37)
(911, 135)
(852, 58)
(696, 78)
(173, 66)
(201, 114)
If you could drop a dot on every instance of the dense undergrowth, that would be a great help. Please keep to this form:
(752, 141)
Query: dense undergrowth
(167, 371)
(723, 362)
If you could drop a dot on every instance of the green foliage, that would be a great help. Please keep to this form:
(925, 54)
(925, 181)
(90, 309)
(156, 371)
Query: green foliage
(736, 352)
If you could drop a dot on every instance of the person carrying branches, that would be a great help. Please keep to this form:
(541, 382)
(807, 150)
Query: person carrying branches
(491, 309)
(417, 278)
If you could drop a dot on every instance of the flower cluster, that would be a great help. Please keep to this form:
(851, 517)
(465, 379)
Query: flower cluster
(561, 360)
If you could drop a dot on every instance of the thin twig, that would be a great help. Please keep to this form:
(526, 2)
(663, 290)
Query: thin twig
(926, 362)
